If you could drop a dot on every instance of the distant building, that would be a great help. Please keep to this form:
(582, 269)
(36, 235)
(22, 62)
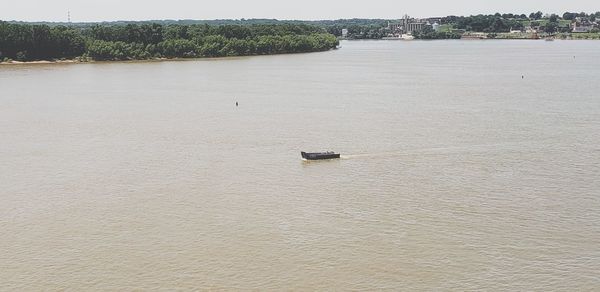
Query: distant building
(530, 29)
(395, 28)
(433, 20)
(412, 25)
(344, 32)
(408, 25)
(581, 28)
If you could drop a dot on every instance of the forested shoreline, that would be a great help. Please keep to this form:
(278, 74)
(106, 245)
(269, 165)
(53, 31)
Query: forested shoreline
(34, 42)
(130, 40)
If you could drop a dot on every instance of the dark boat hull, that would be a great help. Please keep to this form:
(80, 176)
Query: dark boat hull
(320, 155)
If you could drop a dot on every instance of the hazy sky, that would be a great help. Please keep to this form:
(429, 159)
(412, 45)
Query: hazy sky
(100, 10)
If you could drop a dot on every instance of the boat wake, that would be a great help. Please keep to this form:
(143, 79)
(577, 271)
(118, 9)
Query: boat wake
(484, 148)
(371, 155)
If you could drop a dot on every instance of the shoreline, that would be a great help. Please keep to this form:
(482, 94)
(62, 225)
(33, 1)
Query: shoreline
(470, 39)
(76, 61)
(42, 62)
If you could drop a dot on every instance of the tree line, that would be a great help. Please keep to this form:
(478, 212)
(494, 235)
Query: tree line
(497, 23)
(429, 34)
(488, 23)
(26, 42)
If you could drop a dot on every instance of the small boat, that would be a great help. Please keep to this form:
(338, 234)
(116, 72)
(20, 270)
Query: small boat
(320, 155)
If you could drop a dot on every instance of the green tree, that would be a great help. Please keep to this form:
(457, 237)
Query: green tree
(135, 41)
(550, 27)
(569, 16)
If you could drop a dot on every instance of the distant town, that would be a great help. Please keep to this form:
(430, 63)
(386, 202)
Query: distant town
(495, 26)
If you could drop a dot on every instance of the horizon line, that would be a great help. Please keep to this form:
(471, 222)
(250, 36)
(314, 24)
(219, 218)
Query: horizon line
(275, 19)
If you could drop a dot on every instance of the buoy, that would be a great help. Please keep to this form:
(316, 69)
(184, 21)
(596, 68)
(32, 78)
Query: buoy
(236, 103)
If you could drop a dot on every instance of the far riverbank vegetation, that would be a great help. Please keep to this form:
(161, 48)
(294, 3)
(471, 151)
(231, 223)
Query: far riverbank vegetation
(141, 41)
(127, 40)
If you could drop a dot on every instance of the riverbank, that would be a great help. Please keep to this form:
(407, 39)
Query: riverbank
(11, 62)
(498, 36)
(561, 36)
(90, 61)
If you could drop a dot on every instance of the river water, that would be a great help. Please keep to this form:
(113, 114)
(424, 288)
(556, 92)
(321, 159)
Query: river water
(466, 165)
